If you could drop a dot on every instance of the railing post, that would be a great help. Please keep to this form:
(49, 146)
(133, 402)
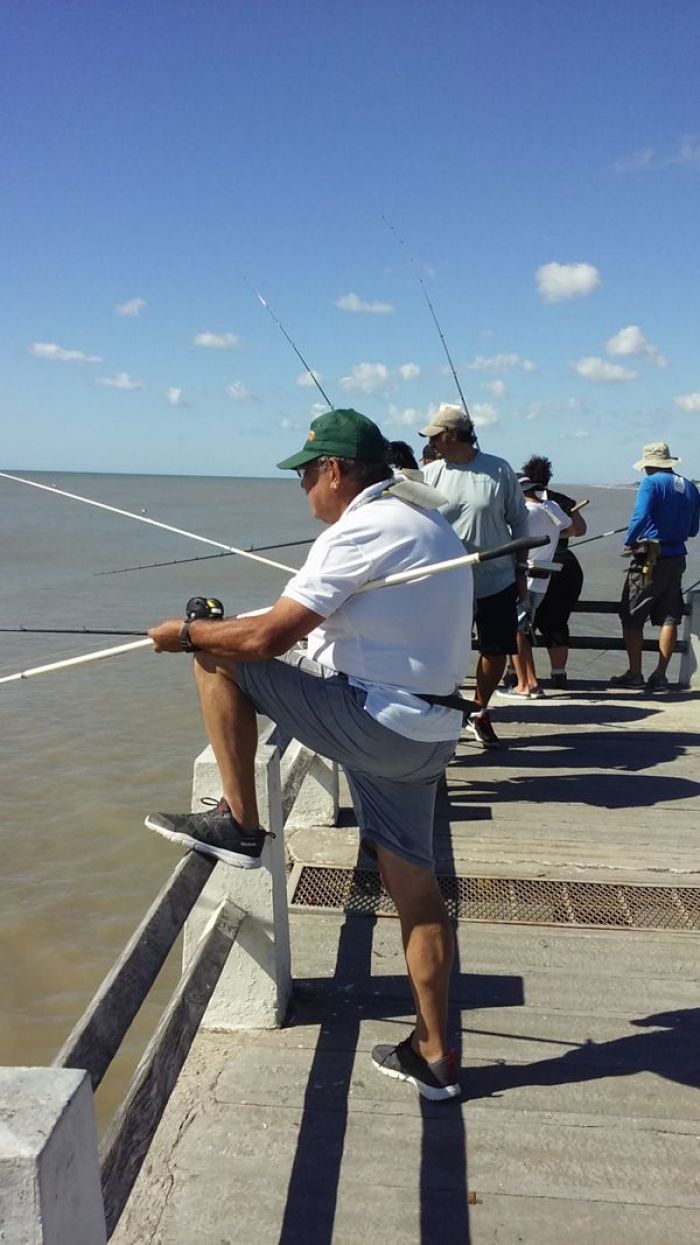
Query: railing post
(255, 984)
(318, 798)
(49, 1176)
(689, 675)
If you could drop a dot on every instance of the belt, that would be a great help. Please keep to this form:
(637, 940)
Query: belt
(453, 701)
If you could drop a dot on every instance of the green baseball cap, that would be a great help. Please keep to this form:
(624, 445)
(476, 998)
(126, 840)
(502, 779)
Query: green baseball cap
(340, 434)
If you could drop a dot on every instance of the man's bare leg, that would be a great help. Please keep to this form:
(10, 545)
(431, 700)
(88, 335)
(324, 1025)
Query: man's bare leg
(633, 644)
(231, 724)
(428, 946)
(489, 672)
(667, 643)
(558, 657)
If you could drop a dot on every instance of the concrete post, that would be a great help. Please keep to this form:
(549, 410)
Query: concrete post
(255, 984)
(317, 801)
(689, 675)
(49, 1175)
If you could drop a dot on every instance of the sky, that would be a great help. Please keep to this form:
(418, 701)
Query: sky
(529, 167)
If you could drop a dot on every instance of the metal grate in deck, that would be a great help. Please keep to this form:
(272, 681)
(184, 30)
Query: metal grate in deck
(520, 901)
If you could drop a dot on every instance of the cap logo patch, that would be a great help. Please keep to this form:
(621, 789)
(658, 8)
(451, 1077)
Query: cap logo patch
(311, 437)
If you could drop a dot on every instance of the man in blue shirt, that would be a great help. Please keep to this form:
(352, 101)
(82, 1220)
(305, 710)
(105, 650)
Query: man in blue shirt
(666, 513)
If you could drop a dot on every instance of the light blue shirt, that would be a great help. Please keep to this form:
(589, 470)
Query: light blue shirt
(486, 508)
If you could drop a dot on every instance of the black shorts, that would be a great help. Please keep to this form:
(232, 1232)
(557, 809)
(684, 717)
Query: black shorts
(496, 622)
(564, 590)
(660, 600)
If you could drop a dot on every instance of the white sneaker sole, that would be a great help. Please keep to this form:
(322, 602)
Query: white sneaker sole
(238, 860)
(427, 1091)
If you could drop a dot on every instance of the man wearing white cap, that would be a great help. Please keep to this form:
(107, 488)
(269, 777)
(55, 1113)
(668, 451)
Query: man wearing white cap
(666, 513)
(486, 508)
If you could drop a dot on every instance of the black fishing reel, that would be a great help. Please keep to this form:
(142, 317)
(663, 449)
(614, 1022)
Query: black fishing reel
(198, 607)
(203, 607)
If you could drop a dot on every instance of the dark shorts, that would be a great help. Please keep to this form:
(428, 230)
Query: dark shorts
(564, 590)
(660, 600)
(392, 779)
(496, 622)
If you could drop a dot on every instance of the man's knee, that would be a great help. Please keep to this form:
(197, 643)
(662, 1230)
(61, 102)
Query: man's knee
(206, 663)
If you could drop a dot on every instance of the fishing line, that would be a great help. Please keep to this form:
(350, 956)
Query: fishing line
(295, 348)
(463, 400)
(140, 518)
(204, 557)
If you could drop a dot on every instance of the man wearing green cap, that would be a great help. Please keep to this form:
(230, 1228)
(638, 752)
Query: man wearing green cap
(356, 696)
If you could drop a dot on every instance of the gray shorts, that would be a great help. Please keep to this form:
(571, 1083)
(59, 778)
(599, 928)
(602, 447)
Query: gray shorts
(392, 779)
(660, 600)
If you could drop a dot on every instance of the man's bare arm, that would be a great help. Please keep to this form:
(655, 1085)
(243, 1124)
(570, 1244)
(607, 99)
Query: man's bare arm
(244, 639)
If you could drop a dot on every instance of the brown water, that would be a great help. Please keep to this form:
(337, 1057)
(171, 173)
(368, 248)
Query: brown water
(85, 753)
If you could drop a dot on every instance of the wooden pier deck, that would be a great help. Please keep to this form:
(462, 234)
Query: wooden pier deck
(580, 1117)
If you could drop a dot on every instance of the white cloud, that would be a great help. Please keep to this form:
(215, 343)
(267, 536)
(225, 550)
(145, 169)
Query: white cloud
(318, 408)
(306, 380)
(131, 308)
(496, 387)
(288, 423)
(554, 406)
(402, 418)
(631, 341)
(582, 432)
(367, 378)
(636, 162)
(49, 350)
(216, 341)
(499, 363)
(556, 282)
(121, 381)
(688, 152)
(483, 414)
(599, 369)
(352, 302)
(175, 397)
(687, 401)
(409, 371)
(239, 392)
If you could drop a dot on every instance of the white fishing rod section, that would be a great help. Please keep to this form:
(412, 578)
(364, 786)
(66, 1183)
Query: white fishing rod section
(83, 660)
(141, 518)
(387, 581)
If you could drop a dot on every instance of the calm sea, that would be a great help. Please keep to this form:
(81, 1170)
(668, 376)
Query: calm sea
(85, 753)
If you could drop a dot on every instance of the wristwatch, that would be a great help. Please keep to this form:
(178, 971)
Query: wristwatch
(186, 644)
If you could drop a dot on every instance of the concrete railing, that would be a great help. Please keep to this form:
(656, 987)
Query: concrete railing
(57, 1185)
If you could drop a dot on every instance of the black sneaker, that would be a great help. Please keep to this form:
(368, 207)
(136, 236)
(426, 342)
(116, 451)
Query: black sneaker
(628, 680)
(657, 683)
(559, 678)
(437, 1080)
(216, 833)
(480, 726)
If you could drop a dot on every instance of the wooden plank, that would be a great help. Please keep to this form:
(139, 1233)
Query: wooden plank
(133, 1126)
(98, 1034)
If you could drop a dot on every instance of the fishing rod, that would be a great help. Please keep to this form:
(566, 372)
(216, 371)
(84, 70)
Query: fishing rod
(396, 233)
(387, 581)
(140, 518)
(204, 557)
(66, 631)
(283, 330)
(615, 531)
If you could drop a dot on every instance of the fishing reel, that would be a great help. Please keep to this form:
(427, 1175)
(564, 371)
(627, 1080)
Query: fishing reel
(203, 607)
(198, 607)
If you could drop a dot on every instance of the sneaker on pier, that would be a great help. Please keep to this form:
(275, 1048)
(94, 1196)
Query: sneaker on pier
(627, 680)
(480, 726)
(215, 833)
(437, 1080)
